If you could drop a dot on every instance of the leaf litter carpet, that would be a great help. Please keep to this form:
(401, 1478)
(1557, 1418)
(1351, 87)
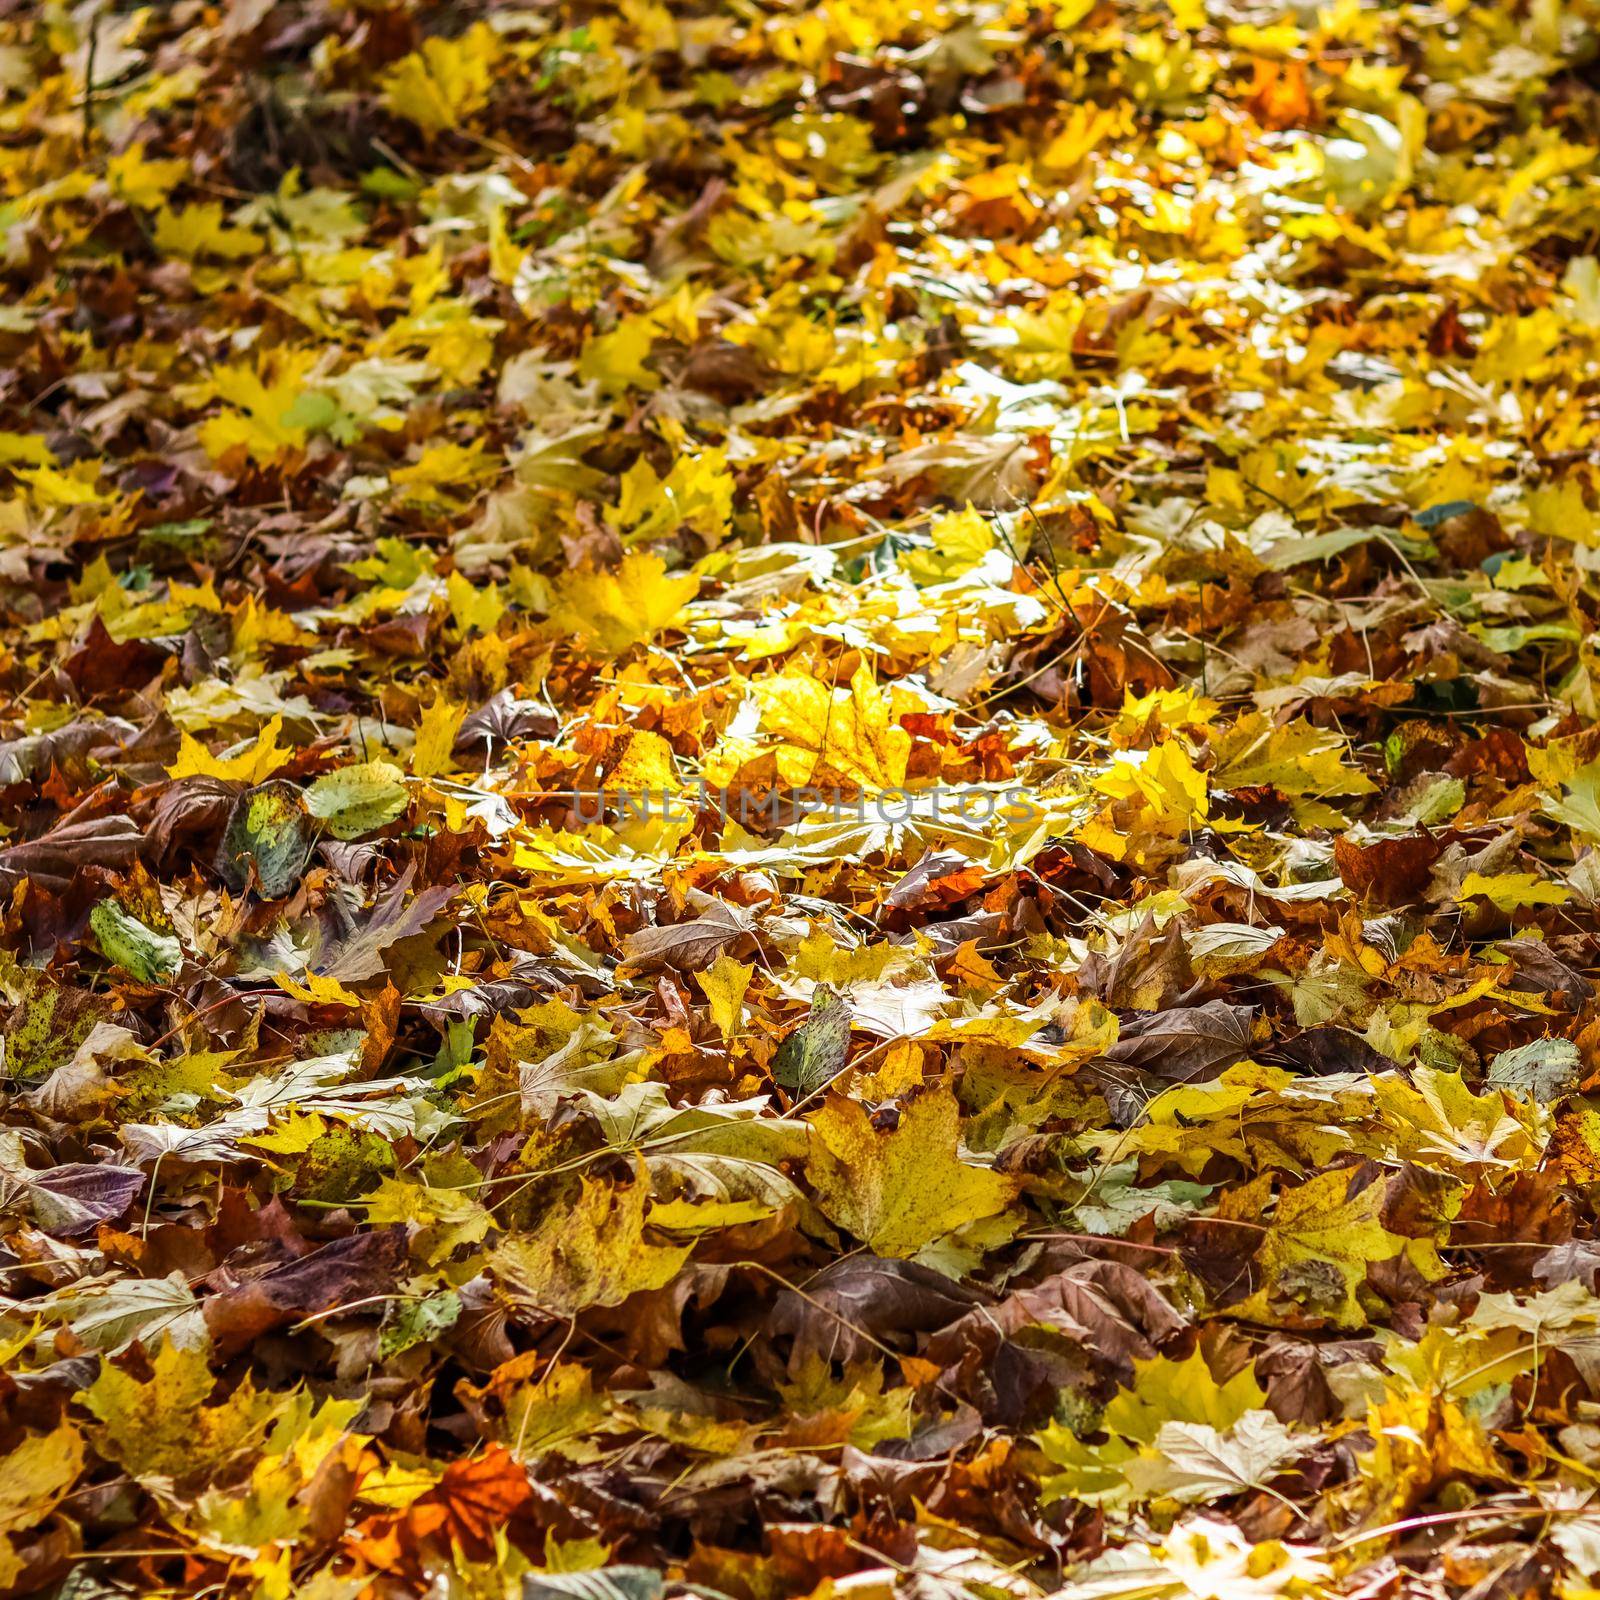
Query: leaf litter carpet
(799, 800)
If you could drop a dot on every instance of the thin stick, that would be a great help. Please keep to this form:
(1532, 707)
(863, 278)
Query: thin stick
(88, 83)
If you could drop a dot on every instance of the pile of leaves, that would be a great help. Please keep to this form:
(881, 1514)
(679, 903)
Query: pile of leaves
(799, 799)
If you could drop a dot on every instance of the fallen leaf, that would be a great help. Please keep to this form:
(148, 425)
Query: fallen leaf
(901, 1190)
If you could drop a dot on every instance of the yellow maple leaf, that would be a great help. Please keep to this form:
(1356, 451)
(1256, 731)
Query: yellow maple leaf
(697, 493)
(473, 610)
(1421, 1438)
(199, 230)
(1559, 511)
(724, 983)
(262, 401)
(312, 988)
(441, 467)
(960, 542)
(616, 360)
(821, 735)
(1180, 1391)
(291, 1135)
(596, 1252)
(270, 1509)
(1577, 802)
(1165, 779)
(436, 737)
(75, 486)
(1297, 759)
(690, 1218)
(1511, 891)
(29, 448)
(1166, 708)
(252, 765)
(34, 1478)
(1163, 1391)
(446, 81)
(552, 1412)
(614, 611)
(1437, 1121)
(161, 1428)
(142, 183)
(35, 1475)
(505, 259)
(445, 1212)
(820, 957)
(902, 1190)
(644, 765)
(1085, 127)
(898, 1071)
(1316, 1249)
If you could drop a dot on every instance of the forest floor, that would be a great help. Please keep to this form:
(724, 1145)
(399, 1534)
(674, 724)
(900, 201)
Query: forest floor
(799, 799)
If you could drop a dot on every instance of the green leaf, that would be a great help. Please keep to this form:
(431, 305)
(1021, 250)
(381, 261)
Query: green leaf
(126, 942)
(313, 411)
(1315, 547)
(266, 839)
(419, 1321)
(1579, 805)
(815, 1052)
(359, 799)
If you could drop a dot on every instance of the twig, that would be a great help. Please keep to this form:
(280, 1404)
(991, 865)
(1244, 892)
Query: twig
(88, 83)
